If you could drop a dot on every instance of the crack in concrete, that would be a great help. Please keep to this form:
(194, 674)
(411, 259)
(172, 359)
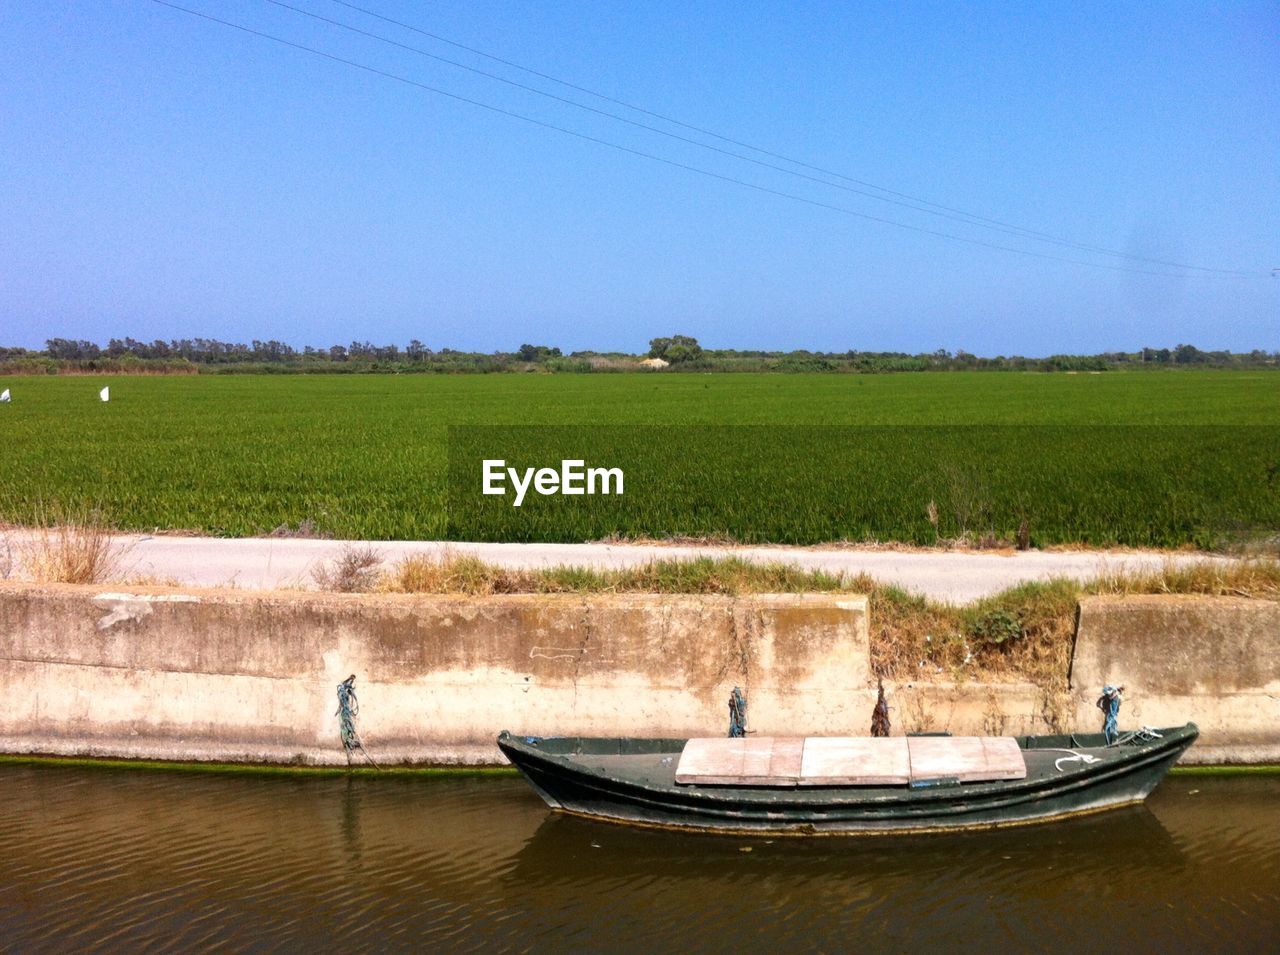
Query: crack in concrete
(740, 650)
(583, 648)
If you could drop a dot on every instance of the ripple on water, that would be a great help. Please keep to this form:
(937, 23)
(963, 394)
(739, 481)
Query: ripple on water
(182, 861)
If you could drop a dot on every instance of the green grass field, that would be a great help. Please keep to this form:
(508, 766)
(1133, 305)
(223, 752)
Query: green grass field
(366, 456)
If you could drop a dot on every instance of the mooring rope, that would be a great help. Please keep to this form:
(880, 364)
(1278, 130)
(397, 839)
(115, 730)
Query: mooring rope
(1109, 703)
(348, 710)
(1135, 738)
(1138, 736)
(1071, 757)
(880, 714)
(737, 714)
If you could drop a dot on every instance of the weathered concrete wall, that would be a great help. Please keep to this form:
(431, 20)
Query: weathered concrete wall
(250, 676)
(976, 709)
(1211, 660)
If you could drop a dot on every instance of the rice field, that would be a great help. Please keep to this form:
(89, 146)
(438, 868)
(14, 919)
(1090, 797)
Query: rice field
(1159, 459)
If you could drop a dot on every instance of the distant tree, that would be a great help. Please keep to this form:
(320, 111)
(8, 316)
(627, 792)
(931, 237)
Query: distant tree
(536, 353)
(67, 349)
(272, 351)
(682, 350)
(676, 349)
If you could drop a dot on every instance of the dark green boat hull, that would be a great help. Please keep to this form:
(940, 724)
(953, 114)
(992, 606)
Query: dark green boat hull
(632, 780)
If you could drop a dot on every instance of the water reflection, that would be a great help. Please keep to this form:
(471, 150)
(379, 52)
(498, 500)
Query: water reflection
(926, 890)
(176, 861)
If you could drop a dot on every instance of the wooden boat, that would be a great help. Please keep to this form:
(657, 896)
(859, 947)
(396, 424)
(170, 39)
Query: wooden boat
(833, 785)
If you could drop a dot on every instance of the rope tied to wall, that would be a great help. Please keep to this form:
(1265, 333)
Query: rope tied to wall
(880, 715)
(1109, 703)
(348, 710)
(737, 714)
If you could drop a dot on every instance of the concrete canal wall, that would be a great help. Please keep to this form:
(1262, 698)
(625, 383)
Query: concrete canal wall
(251, 676)
(1214, 660)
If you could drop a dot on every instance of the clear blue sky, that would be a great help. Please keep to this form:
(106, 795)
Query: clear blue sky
(164, 176)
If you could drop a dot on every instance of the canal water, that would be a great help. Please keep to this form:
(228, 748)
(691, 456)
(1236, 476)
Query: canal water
(122, 860)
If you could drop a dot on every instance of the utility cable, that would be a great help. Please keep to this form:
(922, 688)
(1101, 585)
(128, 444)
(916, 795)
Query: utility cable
(900, 198)
(655, 158)
(964, 218)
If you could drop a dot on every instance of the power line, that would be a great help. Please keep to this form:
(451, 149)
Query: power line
(917, 207)
(905, 200)
(650, 156)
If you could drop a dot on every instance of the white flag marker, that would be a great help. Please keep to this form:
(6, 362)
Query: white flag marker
(4, 395)
(105, 394)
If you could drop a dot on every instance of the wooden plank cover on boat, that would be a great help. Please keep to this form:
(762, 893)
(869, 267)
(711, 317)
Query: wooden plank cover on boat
(746, 761)
(970, 759)
(855, 761)
(848, 760)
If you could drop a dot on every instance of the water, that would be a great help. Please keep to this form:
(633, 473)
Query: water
(117, 859)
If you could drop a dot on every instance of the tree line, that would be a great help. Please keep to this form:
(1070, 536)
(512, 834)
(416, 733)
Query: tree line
(678, 352)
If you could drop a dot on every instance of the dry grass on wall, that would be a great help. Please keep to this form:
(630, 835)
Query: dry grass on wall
(67, 547)
(1257, 577)
(358, 569)
(1022, 634)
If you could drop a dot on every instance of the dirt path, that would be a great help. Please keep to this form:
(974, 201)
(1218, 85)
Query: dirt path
(259, 563)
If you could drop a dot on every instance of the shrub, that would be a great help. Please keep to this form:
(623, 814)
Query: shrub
(355, 570)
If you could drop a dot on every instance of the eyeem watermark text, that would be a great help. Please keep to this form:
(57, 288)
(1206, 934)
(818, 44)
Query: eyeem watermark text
(573, 477)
